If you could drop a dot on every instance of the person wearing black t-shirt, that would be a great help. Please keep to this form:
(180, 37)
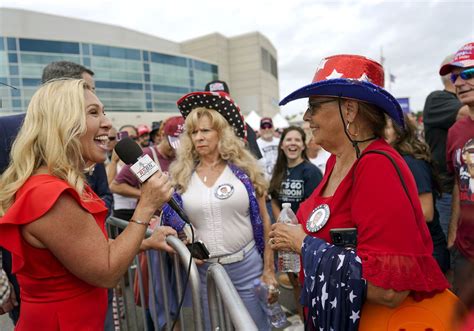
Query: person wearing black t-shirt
(417, 156)
(294, 179)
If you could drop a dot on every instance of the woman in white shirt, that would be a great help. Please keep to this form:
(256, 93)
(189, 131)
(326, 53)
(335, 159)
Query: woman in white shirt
(221, 189)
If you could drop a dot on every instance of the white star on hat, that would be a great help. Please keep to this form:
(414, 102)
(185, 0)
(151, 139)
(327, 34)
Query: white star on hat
(364, 77)
(321, 64)
(334, 74)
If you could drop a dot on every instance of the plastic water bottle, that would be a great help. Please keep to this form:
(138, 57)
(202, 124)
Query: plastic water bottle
(274, 312)
(288, 261)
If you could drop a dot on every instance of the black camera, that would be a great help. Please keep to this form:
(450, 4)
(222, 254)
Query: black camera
(345, 237)
(198, 250)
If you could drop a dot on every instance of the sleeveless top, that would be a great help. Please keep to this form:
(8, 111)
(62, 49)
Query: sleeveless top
(52, 298)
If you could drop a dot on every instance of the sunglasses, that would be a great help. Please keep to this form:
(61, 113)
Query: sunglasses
(313, 106)
(465, 75)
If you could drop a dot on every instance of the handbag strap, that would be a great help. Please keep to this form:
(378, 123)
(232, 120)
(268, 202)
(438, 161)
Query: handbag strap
(399, 173)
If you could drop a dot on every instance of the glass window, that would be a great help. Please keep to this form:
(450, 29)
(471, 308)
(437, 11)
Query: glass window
(146, 67)
(28, 92)
(11, 43)
(16, 103)
(146, 56)
(12, 58)
(28, 70)
(48, 46)
(15, 82)
(86, 61)
(85, 49)
(116, 64)
(31, 81)
(201, 78)
(15, 92)
(203, 66)
(3, 64)
(120, 94)
(147, 87)
(169, 59)
(14, 70)
(44, 59)
(2, 46)
(165, 74)
(147, 77)
(170, 89)
(148, 96)
(119, 85)
(269, 63)
(116, 52)
(167, 97)
(149, 106)
(111, 75)
(163, 106)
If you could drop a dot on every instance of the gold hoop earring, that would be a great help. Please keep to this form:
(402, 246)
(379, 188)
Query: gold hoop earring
(349, 131)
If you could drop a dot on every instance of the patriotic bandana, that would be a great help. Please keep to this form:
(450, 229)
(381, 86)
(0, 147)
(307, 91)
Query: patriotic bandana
(333, 289)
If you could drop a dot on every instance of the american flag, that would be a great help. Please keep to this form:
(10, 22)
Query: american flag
(333, 290)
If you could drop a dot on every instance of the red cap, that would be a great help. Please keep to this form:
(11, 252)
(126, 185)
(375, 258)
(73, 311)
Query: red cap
(462, 59)
(142, 129)
(172, 128)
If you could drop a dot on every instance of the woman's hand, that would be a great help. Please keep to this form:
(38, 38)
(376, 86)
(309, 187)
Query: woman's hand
(10, 303)
(286, 237)
(269, 278)
(155, 192)
(158, 239)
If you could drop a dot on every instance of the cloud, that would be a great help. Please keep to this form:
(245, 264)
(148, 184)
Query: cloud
(415, 35)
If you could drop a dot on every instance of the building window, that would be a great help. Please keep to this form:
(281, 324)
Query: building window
(14, 70)
(85, 49)
(169, 59)
(116, 52)
(12, 58)
(48, 46)
(11, 43)
(269, 63)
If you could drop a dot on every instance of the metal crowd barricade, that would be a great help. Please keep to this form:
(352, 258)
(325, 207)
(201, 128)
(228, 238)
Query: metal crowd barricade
(131, 321)
(226, 308)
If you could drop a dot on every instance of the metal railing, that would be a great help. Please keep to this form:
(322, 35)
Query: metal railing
(180, 260)
(226, 308)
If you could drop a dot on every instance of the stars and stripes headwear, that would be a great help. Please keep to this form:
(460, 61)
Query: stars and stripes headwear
(353, 77)
(218, 101)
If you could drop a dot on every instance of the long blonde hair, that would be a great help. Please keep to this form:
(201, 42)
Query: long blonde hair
(49, 137)
(230, 148)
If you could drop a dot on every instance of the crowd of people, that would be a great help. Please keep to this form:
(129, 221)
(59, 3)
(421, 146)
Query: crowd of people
(356, 169)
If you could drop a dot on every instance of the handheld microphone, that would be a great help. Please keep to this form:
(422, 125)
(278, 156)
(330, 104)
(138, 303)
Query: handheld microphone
(143, 167)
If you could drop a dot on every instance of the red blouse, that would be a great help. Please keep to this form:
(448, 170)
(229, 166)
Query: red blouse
(393, 240)
(52, 298)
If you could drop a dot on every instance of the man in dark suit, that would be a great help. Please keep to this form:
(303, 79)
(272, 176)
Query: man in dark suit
(9, 127)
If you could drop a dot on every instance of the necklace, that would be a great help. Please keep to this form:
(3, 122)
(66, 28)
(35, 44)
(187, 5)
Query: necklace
(212, 167)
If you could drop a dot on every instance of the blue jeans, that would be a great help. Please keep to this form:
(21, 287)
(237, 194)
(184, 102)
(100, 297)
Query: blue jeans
(242, 274)
(443, 205)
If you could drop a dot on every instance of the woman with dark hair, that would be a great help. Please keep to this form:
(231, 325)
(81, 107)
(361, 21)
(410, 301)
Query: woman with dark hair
(294, 179)
(367, 199)
(416, 154)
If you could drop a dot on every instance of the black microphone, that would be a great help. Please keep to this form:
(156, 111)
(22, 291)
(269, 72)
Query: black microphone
(143, 167)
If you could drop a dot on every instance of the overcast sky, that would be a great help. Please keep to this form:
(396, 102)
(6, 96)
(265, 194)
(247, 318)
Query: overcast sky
(415, 35)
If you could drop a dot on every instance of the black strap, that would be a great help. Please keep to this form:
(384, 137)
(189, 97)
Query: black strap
(396, 168)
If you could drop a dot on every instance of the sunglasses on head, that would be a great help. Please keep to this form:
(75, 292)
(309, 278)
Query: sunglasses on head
(465, 75)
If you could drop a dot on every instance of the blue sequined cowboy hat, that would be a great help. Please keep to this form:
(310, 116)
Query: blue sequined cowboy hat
(352, 77)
